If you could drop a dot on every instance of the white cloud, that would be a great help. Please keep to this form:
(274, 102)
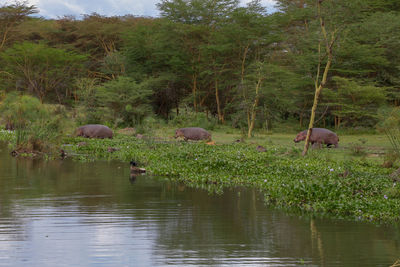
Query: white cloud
(54, 8)
(263, 2)
(59, 8)
(268, 3)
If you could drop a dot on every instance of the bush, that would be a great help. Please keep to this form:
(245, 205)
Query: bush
(358, 148)
(118, 103)
(189, 118)
(38, 127)
(149, 125)
(127, 100)
(390, 125)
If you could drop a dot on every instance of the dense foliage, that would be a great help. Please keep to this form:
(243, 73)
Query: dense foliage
(212, 61)
(241, 65)
(38, 127)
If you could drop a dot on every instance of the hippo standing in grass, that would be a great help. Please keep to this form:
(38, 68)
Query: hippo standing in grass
(319, 136)
(94, 131)
(193, 133)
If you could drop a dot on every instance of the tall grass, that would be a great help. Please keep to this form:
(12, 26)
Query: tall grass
(38, 127)
(390, 125)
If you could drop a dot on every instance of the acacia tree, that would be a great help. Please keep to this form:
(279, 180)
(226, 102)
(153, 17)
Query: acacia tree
(328, 40)
(127, 100)
(102, 37)
(253, 35)
(334, 18)
(354, 103)
(296, 52)
(156, 51)
(251, 102)
(210, 58)
(41, 70)
(10, 17)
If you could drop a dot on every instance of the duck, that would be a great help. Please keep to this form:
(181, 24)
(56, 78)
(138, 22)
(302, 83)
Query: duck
(135, 169)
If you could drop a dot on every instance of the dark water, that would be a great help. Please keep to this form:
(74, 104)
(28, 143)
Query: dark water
(63, 213)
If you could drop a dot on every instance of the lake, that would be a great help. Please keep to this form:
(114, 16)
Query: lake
(66, 213)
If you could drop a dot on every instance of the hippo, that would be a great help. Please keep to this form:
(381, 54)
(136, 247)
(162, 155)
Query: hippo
(94, 131)
(193, 133)
(319, 136)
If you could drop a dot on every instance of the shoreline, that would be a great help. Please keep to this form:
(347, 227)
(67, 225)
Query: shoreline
(316, 184)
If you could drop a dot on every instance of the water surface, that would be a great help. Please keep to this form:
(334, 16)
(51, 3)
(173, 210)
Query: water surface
(65, 213)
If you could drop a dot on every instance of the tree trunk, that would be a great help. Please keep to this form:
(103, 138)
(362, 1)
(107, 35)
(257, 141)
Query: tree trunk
(319, 86)
(311, 124)
(252, 119)
(194, 89)
(253, 112)
(220, 115)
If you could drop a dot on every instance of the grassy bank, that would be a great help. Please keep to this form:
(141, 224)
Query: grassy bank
(334, 182)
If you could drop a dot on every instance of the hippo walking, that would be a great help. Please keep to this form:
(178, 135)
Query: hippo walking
(319, 136)
(94, 131)
(193, 133)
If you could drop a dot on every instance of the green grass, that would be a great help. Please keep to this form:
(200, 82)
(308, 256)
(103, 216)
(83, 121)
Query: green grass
(372, 146)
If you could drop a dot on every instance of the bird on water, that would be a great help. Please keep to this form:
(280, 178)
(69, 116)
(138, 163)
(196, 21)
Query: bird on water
(135, 168)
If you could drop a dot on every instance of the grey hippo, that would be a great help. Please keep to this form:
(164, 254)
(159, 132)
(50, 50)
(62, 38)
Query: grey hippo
(319, 136)
(94, 131)
(193, 133)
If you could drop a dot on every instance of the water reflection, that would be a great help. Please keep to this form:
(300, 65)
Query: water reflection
(132, 178)
(62, 213)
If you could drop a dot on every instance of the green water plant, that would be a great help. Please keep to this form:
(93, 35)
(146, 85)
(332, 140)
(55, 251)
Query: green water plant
(319, 184)
(356, 190)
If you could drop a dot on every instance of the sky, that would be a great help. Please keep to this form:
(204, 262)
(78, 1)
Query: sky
(59, 8)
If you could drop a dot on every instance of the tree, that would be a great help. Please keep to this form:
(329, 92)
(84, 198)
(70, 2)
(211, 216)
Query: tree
(41, 70)
(98, 36)
(296, 51)
(369, 53)
(127, 100)
(10, 17)
(156, 52)
(253, 99)
(328, 40)
(206, 12)
(353, 103)
(209, 57)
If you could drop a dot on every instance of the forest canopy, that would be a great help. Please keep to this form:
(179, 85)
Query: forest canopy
(237, 65)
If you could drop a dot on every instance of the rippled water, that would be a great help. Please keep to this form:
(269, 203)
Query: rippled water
(64, 213)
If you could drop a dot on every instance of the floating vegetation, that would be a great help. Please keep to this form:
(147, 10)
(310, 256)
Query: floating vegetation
(356, 190)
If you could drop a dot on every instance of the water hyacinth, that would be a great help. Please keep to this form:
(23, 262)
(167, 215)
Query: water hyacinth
(295, 183)
(283, 181)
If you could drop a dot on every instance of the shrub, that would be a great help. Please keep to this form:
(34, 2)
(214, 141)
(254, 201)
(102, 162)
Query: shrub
(189, 118)
(127, 100)
(390, 125)
(37, 126)
(120, 102)
(358, 148)
(149, 125)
